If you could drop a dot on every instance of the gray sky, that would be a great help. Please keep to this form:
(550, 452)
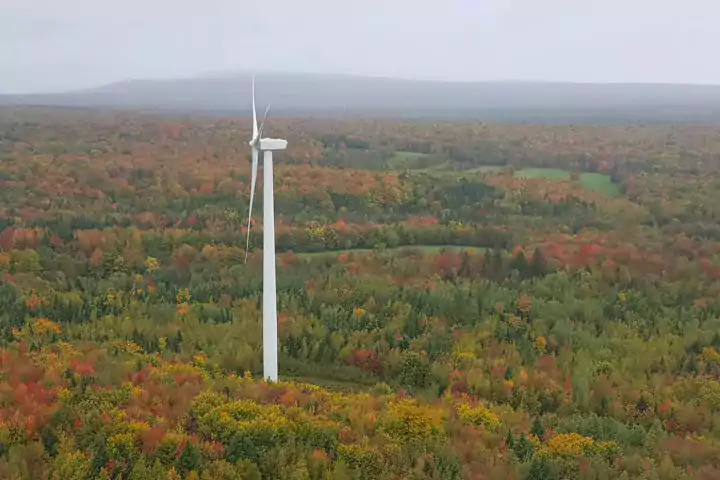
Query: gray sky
(51, 45)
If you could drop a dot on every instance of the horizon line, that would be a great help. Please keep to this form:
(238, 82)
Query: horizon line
(220, 74)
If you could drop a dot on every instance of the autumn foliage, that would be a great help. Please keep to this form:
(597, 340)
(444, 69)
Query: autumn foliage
(438, 318)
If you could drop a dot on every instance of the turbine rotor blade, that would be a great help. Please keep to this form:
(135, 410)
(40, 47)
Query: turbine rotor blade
(255, 124)
(253, 179)
(262, 124)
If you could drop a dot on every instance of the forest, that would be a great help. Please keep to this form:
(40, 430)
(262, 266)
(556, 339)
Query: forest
(456, 300)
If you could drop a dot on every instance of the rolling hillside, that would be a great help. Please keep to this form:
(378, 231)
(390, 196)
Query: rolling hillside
(338, 95)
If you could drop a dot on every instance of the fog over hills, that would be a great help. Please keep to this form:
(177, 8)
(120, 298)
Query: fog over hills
(342, 95)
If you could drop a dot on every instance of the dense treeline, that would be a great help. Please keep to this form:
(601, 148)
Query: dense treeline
(433, 324)
(630, 149)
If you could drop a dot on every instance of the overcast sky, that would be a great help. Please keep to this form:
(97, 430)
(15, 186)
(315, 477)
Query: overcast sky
(51, 45)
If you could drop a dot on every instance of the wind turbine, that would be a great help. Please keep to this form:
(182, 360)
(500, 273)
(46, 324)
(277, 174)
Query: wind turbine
(267, 146)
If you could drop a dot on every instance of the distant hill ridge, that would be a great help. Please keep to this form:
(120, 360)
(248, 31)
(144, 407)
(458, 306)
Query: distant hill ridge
(324, 94)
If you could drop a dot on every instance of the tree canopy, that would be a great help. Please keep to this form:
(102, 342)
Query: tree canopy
(455, 300)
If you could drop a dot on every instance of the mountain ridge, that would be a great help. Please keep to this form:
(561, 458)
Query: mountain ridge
(349, 95)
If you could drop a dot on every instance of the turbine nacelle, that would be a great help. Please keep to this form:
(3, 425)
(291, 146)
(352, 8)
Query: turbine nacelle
(265, 144)
(272, 144)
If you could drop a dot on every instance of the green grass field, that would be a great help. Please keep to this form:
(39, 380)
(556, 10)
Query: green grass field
(406, 160)
(543, 173)
(592, 181)
(600, 183)
(487, 169)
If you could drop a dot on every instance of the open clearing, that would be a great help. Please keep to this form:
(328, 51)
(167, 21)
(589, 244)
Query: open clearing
(601, 183)
(592, 181)
(487, 169)
(543, 173)
(407, 161)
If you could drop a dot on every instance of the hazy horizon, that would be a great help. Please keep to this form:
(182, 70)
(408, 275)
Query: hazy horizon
(48, 46)
(245, 72)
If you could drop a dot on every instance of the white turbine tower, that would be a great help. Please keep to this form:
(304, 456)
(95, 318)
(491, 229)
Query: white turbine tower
(266, 146)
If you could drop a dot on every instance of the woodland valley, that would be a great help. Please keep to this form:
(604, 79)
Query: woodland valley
(456, 300)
